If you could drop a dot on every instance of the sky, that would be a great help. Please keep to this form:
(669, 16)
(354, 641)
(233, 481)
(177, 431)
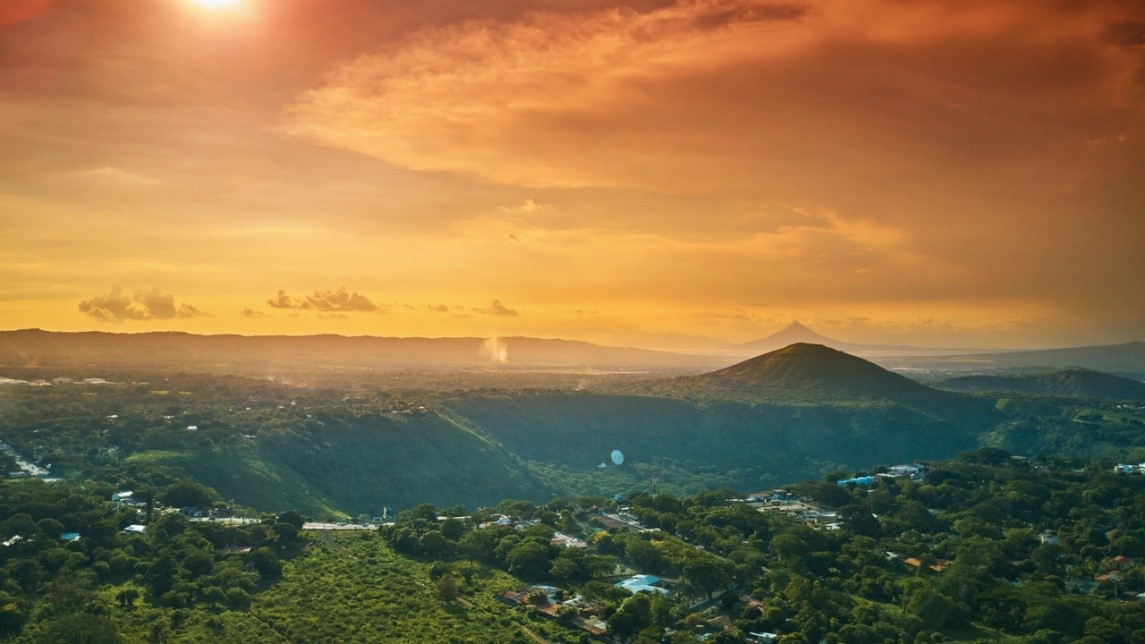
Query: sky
(655, 172)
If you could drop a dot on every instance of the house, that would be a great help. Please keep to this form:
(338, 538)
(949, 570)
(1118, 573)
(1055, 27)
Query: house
(751, 601)
(70, 536)
(135, 528)
(561, 539)
(593, 625)
(763, 637)
(232, 550)
(643, 584)
(911, 471)
(938, 566)
(515, 597)
(722, 622)
(118, 497)
(1048, 538)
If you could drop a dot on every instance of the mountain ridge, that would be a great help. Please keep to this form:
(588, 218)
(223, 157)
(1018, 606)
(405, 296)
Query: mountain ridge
(188, 351)
(1073, 382)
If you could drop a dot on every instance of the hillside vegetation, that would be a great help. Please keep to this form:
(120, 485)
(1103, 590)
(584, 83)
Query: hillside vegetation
(792, 414)
(1065, 383)
(565, 437)
(984, 547)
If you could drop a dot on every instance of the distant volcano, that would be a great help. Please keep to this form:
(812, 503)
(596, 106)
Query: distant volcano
(796, 333)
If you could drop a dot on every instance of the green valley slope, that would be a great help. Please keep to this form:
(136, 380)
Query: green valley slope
(787, 415)
(1066, 383)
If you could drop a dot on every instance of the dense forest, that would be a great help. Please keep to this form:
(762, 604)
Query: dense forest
(348, 451)
(191, 507)
(983, 547)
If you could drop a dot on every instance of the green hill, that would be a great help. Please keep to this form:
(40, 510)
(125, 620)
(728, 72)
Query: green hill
(273, 446)
(565, 438)
(815, 373)
(1066, 383)
(811, 369)
(357, 467)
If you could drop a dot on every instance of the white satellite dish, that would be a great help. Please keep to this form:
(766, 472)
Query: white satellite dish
(617, 457)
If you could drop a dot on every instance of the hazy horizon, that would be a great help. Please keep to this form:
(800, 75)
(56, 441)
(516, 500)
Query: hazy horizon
(647, 173)
(698, 346)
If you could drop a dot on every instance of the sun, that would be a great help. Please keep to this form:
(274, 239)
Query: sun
(216, 4)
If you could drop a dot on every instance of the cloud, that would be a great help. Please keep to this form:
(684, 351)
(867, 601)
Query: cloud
(529, 207)
(337, 301)
(474, 97)
(497, 308)
(143, 304)
(340, 300)
(440, 308)
(712, 96)
(251, 313)
(283, 301)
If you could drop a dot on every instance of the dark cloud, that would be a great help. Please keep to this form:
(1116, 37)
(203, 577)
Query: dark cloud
(440, 308)
(143, 304)
(337, 301)
(1126, 34)
(283, 301)
(251, 313)
(722, 15)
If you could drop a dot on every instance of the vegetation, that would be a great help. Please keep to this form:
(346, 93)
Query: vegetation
(343, 452)
(1065, 383)
(984, 547)
(70, 572)
(1034, 547)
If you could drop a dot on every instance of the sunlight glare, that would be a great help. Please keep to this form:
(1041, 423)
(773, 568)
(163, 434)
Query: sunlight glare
(215, 4)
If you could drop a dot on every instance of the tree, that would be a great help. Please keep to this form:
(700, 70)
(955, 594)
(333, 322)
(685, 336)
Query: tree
(187, 494)
(292, 518)
(529, 560)
(935, 610)
(213, 595)
(12, 615)
(860, 521)
(644, 556)
(446, 588)
(432, 544)
(706, 573)
(238, 599)
(452, 529)
(127, 597)
(80, 628)
(198, 563)
(632, 616)
(266, 563)
(160, 575)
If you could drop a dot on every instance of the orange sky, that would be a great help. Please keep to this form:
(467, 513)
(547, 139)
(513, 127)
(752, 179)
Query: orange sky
(935, 172)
